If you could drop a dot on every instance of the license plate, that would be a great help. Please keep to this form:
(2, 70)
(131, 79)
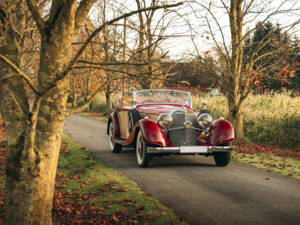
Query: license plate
(193, 149)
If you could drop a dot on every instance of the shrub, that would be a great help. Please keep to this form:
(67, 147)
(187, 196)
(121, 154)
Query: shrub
(99, 104)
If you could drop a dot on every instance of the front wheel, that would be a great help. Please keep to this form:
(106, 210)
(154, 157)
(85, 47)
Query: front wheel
(222, 158)
(114, 147)
(142, 157)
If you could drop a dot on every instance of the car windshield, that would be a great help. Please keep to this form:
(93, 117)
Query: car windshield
(162, 96)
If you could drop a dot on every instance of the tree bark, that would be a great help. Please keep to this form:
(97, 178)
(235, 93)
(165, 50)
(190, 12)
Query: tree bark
(33, 157)
(14, 110)
(237, 122)
(236, 62)
(108, 100)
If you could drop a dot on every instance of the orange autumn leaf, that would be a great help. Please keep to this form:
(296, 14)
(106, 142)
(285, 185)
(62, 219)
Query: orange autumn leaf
(206, 53)
(115, 218)
(284, 71)
(292, 73)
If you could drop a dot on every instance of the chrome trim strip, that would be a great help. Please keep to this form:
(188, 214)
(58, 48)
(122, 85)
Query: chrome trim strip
(178, 128)
(201, 149)
(163, 150)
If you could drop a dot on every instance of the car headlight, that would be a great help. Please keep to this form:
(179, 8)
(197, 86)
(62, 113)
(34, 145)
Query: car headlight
(165, 120)
(205, 120)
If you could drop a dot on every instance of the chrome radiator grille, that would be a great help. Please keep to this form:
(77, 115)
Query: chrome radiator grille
(179, 135)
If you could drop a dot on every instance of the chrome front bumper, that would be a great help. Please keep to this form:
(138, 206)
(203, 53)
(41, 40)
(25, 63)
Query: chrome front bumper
(189, 149)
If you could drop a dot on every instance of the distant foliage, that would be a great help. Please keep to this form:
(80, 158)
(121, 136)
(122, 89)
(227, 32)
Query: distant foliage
(278, 59)
(271, 119)
(195, 72)
(99, 105)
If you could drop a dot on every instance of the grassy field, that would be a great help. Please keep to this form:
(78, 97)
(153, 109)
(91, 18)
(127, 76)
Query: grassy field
(273, 120)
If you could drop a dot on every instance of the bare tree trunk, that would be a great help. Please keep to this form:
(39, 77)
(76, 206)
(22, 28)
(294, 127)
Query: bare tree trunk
(236, 117)
(236, 62)
(33, 156)
(108, 101)
(74, 95)
(15, 113)
(14, 109)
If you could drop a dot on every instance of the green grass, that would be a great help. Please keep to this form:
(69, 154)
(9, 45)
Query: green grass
(94, 115)
(110, 190)
(270, 162)
(99, 104)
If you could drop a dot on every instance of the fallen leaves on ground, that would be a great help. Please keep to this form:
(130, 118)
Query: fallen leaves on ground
(271, 158)
(69, 208)
(3, 153)
(268, 149)
(2, 132)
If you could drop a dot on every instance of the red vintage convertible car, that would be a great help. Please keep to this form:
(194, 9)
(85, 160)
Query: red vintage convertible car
(162, 122)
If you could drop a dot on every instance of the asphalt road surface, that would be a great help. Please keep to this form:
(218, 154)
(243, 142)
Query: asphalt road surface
(196, 189)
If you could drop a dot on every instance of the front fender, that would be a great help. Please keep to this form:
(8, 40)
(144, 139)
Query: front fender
(221, 132)
(152, 133)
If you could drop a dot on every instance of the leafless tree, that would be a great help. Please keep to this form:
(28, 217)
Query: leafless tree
(228, 25)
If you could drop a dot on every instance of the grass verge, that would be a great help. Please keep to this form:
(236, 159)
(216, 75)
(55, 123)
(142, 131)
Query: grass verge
(273, 159)
(94, 115)
(88, 192)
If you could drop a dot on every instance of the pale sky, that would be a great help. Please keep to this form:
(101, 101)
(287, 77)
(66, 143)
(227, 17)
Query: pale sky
(192, 13)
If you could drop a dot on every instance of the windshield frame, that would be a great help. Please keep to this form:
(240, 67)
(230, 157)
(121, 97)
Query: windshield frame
(162, 90)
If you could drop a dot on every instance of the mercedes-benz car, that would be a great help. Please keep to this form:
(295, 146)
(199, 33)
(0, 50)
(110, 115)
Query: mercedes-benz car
(162, 122)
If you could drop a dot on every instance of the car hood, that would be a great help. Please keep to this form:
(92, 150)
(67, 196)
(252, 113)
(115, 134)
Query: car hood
(160, 108)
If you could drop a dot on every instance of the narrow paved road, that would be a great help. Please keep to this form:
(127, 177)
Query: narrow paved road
(195, 188)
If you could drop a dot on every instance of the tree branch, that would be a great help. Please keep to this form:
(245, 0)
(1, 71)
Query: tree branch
(36, 15)
(21, 73)
(95, 32)
(82, 12)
